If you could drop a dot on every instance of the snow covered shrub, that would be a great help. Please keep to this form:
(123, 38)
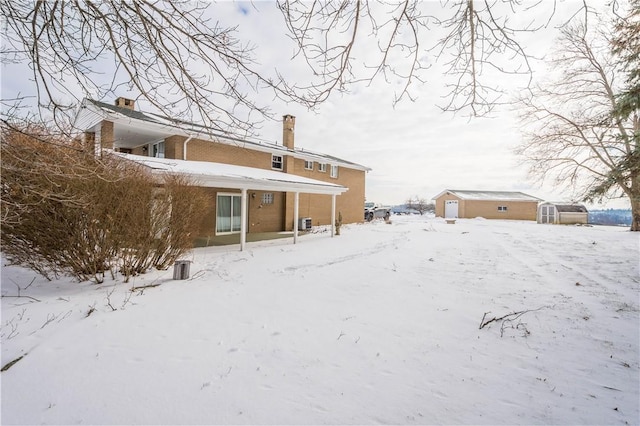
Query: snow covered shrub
(66, 211)
(177, 210)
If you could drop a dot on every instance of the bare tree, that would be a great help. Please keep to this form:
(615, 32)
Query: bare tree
(192, 68)
(420, 205)
(626, 48)
(473, 39)
(571, 135)
(184, 64)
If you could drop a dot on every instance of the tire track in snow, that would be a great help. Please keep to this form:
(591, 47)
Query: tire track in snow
(377, 249)
(597, 284)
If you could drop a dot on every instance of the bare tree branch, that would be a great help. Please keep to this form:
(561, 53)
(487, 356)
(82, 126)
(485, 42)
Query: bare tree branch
(192, 68)
(479, 41)
(571, 134)
(184, 64)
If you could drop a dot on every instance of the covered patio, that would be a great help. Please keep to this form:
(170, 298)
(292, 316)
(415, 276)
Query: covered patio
(244, 179)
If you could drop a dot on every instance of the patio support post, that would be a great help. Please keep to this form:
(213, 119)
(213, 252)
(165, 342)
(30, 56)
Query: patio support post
(296, 200)
(333, 215)
(243, 219)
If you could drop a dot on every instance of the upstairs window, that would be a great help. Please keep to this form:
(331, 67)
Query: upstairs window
(334, 171)
(322, 167)
(276, 162)
(308, 165)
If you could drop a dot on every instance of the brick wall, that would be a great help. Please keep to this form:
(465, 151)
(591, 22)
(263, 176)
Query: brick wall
(278, 216)
(265, 217)
(106, 135)
(200, 150)
(440, 202)
(173, 147)
(318, 207)
(516, 210)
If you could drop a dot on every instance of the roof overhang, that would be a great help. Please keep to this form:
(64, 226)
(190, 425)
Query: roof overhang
(218, 175)
(129, 131)
(489, 196)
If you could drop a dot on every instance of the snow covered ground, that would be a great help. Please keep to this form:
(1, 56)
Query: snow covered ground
(380, 325)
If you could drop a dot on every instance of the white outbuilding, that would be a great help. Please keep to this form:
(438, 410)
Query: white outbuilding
(562, 213)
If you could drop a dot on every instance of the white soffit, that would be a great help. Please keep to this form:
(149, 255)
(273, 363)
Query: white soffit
(220, 175)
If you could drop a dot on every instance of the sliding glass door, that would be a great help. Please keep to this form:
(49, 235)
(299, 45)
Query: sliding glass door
(228, 213)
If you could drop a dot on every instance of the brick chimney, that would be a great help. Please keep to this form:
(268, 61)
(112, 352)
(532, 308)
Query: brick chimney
(288, 126)
(125, 103)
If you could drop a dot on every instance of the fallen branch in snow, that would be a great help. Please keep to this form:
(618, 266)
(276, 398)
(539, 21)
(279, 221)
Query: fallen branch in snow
(28, 297)
(519, 326)
(14, 330)
(126, 300)
(610, 388)
(51, 318)
(109, 293)
(10, 364)
(142, 287)
(20, 289)
(91, 310)
(508, 317)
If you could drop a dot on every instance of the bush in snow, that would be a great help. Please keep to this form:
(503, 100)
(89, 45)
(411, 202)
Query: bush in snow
(65, 211)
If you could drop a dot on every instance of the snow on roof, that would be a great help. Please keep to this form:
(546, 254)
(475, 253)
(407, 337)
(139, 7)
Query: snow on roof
(116, 112)
(489, 195)
(571, 208)
(238, 177)
(567, 206)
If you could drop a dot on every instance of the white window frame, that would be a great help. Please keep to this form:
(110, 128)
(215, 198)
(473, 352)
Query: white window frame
(322, 167)
(234, 228)
(267, 198)
(308, 165)
(502, 208)
(277, 162)
(334, 171)
(156, 149)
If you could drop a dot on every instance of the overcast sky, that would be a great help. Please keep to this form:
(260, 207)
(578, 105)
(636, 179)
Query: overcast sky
(413, 149)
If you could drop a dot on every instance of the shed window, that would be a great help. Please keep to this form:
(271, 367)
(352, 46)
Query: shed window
(502, 208)
(276, 162)
(322, 167)
(308, 165)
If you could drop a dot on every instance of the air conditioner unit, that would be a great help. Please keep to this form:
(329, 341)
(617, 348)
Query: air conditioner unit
(304, 224)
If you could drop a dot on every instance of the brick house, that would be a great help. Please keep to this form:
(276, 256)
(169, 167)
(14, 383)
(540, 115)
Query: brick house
(487, 204)
(254, 187)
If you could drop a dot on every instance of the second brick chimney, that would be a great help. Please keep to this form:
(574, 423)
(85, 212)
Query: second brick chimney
(288, 126)
(125, 103)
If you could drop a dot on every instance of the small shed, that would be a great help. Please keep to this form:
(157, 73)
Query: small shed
(451, 204)
(562, 213)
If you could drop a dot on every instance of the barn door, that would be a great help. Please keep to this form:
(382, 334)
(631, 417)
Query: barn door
(548, 214)
(451, 208)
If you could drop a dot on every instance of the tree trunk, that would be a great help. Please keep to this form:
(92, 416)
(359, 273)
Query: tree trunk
(635, 213)
(634, 197)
